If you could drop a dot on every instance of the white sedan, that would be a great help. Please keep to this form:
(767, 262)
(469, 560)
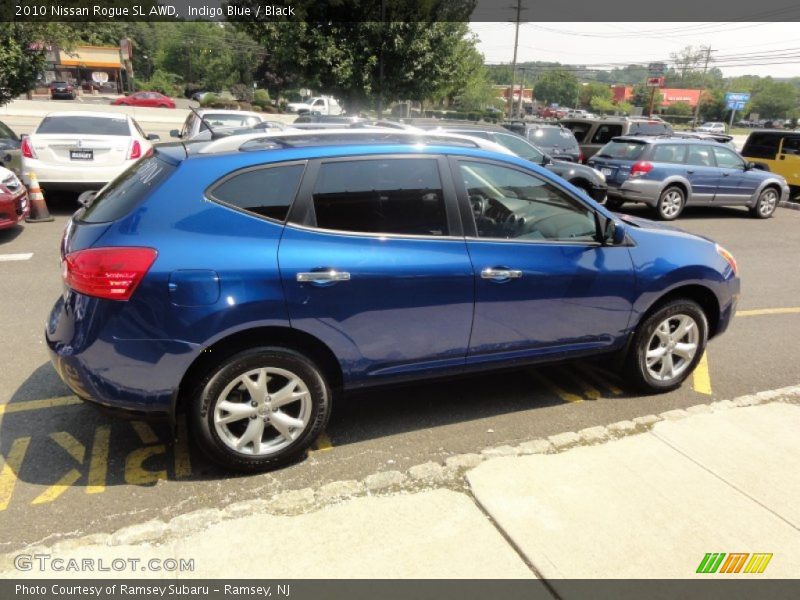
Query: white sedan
(711, 127)
(82, 150)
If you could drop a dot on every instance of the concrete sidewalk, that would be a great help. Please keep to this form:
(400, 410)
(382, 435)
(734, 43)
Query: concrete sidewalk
(647, 498)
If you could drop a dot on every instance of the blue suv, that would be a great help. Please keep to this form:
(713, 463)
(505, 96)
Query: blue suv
(248, 281)
(670, 173)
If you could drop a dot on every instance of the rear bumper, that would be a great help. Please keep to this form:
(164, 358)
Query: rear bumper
(636, 190)
(72, 176)
(13, 208)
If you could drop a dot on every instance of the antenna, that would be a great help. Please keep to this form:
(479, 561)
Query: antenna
(215, 135)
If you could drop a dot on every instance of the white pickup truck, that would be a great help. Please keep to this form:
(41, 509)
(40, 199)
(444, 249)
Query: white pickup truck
(324, 105)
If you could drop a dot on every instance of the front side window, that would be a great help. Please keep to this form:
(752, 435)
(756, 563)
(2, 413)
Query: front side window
(509, 204)
(395, 196)
(762, 145)
(791, 145)
(727, 159)
(579, 130)
(267, 192)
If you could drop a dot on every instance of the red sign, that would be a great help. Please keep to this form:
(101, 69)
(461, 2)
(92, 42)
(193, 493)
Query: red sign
(655, 81)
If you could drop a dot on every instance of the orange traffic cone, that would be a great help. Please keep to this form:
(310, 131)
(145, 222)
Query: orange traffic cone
(39, 212)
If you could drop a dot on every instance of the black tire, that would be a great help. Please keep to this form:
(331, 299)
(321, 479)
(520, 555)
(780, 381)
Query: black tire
(670, 203)
(636, 370)
(794, 193)
(613, 203)
(201, 412)
(766, 204)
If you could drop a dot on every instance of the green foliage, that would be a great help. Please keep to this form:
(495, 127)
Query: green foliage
(161, 81)
(242, 92)
(209, 99)
(772, 99)
(679, 109)
(603, 105)
(592, 91)
(712, 106)
(642, 96)
(557, 86)
(261, 97)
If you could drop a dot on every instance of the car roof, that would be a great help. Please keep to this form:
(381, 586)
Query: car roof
(657, 139)
(227, 111)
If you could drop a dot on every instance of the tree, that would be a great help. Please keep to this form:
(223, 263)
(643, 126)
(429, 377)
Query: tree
(772, 99)
(557, 87)
(592, 91)
(642, 96)
(680, 109)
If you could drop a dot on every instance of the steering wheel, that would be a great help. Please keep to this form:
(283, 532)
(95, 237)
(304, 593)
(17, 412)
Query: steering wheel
(480, 204)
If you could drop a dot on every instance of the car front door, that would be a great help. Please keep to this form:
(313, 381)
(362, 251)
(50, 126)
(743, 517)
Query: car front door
(736, 185)
(543, 284)
(702, 173)
(374, 264)
(788, 163)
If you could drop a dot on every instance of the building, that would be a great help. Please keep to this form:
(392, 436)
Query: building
(624, 93)
(86, 65)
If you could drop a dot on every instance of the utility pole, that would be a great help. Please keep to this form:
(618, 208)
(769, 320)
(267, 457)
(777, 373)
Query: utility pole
(521, 109)
(514, 64)
(700, 97)
(380, 61)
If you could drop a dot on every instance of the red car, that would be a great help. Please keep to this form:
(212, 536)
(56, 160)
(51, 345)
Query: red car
(14, 205)
(151, 99)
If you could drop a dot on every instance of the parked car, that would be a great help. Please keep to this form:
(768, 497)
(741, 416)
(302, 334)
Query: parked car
(669, 174)
(14, 205)
(83, 150)
(195, 127)
(62, 89)
(593, 134)
(590, 180)
(146, 99)
(10, 156)
(324, 105)
(712, 127)
(779, 151)
(324, 263)
(557, 141)
(724, 139)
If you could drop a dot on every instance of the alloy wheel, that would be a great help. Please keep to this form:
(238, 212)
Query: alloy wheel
(672, 347)
(767, 203)
(671, 204)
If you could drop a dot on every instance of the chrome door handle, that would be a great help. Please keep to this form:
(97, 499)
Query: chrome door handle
(489, 273)
(322, 276)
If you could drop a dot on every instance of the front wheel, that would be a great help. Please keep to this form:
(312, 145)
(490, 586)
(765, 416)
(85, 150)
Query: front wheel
(260, 409)
(613, 203)
(670, 203)
(766, 204)
(667, 346)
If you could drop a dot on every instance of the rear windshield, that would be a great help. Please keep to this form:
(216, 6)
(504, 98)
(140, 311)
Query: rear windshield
(622, 150)
(224, 120)
(551, 136)
(90, 125)
(647, 128)
(119, 197)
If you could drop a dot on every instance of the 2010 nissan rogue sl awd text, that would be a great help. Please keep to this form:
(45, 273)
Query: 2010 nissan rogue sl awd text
(247, 281)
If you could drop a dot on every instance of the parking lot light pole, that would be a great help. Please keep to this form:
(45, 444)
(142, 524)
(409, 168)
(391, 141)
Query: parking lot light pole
(697, 106)
(514, 63)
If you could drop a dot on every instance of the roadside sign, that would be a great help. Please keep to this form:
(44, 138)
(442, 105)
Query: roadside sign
(655, 82)
(737, 97)
(99, 76)
(736, 105)
(657, 69)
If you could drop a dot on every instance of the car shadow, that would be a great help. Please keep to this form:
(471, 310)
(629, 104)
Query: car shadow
(61, 434)
(689, 213)
(10, 234)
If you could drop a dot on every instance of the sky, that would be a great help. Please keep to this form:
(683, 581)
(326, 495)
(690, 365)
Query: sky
(738, 48)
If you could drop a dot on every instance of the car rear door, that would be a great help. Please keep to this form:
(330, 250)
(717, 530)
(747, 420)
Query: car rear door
(788, 163)
(736, 185)
(543, 284)
(702, 173)
(374, 264)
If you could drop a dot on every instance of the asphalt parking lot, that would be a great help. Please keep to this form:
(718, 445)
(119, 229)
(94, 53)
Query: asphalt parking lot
(69, 470)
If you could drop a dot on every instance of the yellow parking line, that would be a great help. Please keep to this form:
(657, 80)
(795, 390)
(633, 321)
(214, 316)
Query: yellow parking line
(98, 463)
(600, 379)
(11, 466)
(701, 379)
(768, 311)
(55, 490)
(563, 394)
(591, 392)
(73, 447)
(145, 432)
(183, 463)
(39, 404)
(323, 443)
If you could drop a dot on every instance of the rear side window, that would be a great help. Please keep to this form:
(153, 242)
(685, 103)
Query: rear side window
(551, 136)
(605, 132)
(579, 130)
(791, 145)
(668, 153)
(264, 191)
(119, 197)
(622, 150)
(89, 125)
(400, 196)
(761, 145)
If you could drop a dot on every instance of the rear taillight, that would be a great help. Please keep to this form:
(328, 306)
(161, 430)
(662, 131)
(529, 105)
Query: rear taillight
(136, 150)
(641, 168)
(27, 148)
(580, 156)
(110, 273)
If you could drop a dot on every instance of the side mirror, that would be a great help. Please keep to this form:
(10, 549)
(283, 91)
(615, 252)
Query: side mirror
(85, 199)
(546, 160)
(748, 166)
(608, 231)
(154, 137)
(172, 133)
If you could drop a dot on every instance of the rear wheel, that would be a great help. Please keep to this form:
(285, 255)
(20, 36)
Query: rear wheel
(670, 203)
(260, 409)
(667, 346)
(766, 204)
